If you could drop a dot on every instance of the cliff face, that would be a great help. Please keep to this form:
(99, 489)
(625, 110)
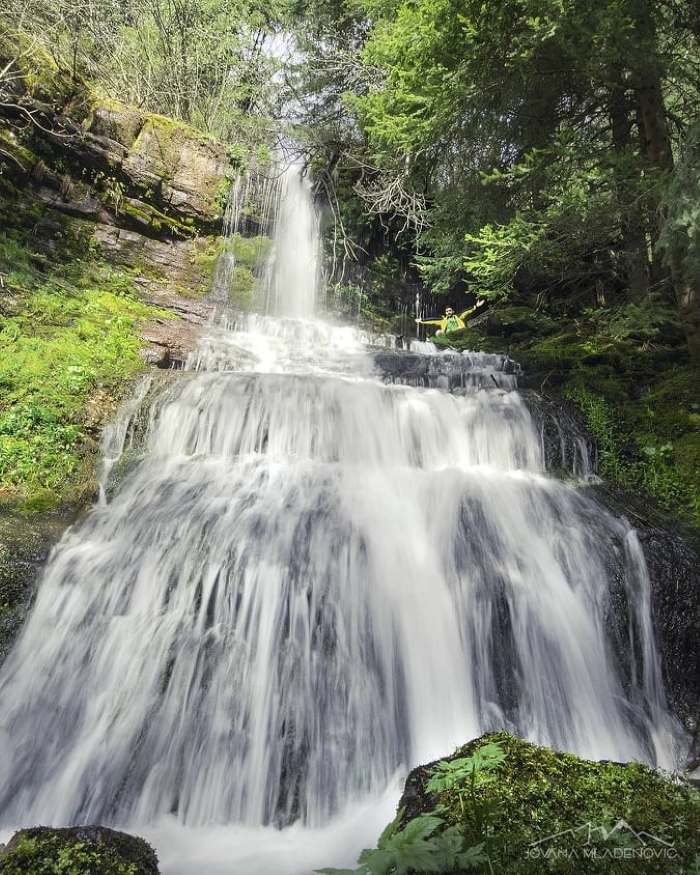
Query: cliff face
(136, 189)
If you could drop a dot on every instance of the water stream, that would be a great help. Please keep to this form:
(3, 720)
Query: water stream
(311, 575)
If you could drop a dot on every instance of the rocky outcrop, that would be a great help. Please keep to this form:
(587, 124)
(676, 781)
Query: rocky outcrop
(530, 809)
(674, 570)
(143, 191)
(155, 206)
(24, 548)
(94, 849)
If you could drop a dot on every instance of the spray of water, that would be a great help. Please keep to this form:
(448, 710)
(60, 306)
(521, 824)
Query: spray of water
(308, 580)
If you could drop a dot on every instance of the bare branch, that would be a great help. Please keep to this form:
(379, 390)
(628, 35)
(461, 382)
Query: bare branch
(386, 194)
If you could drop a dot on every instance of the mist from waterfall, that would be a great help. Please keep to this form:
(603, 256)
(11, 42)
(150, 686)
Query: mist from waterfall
(306, 578)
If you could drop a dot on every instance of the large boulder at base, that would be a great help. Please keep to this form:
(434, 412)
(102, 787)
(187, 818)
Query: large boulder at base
(96, 850)
(537, 810)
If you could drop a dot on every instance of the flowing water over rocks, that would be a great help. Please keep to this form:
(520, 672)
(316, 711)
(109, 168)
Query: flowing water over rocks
(317, 572)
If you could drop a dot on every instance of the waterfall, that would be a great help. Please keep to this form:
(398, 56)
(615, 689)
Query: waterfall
(313, 575)
(278, 202)
(291, 278)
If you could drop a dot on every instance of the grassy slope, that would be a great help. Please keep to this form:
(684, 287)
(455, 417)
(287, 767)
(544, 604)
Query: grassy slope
(69, 345)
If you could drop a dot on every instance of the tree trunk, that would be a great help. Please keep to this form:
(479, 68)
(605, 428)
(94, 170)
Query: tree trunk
(633, 220)
(687, 290)
(646, 81)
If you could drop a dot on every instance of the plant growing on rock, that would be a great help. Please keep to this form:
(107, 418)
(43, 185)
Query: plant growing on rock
(532, 808)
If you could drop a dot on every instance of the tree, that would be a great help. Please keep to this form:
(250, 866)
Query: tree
(204, 62)
(561, 108)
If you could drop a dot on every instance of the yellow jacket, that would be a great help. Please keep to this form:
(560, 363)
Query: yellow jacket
(449, 323)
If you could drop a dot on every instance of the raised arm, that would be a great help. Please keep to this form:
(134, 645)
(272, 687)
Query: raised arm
(479, 303)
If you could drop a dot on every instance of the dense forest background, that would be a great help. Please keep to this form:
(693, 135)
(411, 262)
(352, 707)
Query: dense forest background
(542, 155)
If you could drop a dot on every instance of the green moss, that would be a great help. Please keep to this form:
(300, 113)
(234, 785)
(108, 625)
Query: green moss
(627, 373)
(500, 804)
(69, 346)
(161, 138)
(251, 251)
(148, 215)
(118, 121)
(543, 810)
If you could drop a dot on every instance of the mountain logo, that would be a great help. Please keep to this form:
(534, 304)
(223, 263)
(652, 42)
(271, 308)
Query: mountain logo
(621, 833)
(591, 841)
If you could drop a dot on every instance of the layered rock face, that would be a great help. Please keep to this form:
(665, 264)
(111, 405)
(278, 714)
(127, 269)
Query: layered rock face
(143, 191)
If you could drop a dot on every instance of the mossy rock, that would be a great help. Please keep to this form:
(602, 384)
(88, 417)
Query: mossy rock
(539, 810)
(85, 849)
(117, 121)
(179, 166)
(251, 251)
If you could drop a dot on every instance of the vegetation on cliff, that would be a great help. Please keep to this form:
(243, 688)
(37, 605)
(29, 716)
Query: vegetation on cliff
(625, 371)
(101, 205)
(69, 348)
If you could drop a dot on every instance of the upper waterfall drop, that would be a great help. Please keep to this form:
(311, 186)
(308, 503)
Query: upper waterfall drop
(291, 276)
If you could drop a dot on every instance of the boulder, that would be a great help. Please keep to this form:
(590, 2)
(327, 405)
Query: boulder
(529, 809)
(94, 849)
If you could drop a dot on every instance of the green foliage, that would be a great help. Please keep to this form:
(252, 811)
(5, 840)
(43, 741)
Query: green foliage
(514, 139)
(244, 287)
(626, 371)
(423, 845)
(681, 230)
(655, 468)
(603, 425)
(251, 251)
(460, 778)
(200, 61)
(70, 336)
(554, 801)
(427, 843)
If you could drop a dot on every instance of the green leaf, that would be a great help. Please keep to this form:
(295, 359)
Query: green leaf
(391, 828)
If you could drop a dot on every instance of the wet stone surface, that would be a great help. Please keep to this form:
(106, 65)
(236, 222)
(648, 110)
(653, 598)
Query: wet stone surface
(25, 545)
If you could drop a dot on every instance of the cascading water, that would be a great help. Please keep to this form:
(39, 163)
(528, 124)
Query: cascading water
(311, 578)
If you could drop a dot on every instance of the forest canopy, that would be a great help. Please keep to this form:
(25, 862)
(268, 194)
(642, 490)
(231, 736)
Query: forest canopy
(545, 151)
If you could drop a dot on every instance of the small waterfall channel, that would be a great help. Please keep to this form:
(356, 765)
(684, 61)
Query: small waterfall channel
(316, 572)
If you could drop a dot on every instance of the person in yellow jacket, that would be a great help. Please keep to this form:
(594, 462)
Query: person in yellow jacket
(451, 321)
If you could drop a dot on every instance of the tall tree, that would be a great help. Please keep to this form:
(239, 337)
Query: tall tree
(202, 61)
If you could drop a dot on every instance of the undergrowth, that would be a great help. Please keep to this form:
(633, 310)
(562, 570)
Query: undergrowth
(68, 346)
